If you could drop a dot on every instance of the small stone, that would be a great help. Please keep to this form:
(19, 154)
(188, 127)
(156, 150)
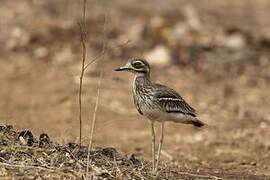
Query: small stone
(22, 141)
(19, 38)
(235, 41)
(263, 125)
(44, 140)
(26, 138)
(159, 56)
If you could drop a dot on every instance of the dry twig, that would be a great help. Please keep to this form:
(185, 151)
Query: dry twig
(93, 122)
(83, 39)
(95, 112)
(85, 65)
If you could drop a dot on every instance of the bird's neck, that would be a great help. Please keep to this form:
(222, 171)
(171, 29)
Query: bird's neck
(142, 79)
(143, 75)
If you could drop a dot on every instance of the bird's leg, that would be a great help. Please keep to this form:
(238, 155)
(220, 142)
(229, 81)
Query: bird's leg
(153, 144)
(160, 144)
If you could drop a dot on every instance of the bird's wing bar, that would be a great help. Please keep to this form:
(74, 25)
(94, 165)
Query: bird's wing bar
(171, 102)
(176, 105)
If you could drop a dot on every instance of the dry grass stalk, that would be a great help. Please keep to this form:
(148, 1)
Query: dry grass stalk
(93, 123)
(83, 39)
(85, 65)
(95, 111)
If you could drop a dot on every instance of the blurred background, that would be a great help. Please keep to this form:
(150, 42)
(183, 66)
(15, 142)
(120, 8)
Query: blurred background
(215, 53)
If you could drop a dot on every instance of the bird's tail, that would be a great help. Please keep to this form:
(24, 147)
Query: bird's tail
(198, 123)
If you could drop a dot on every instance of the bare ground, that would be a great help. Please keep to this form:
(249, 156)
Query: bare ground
(26, 156)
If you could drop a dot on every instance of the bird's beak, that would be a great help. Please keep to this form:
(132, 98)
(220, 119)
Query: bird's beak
(122, 68)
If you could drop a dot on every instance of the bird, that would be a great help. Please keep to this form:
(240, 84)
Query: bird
(158, 103)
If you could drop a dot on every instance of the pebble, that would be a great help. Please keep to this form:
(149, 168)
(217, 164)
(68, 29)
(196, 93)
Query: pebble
(159, 56)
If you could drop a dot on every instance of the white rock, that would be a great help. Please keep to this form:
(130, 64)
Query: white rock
(159, 56)
(22, 140)
(18, 38)
(235, 41)
(263, 125)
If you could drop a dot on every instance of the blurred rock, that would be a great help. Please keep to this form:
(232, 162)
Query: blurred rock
(235, 41)
(159, 31)
(157, 22)
(159, 56)
(179, 30)
(44, 140)
(26, 138)
(41, 52)
(263, 125)
(18, 38)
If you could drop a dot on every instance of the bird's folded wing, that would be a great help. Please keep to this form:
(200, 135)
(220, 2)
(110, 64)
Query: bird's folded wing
(171, 102)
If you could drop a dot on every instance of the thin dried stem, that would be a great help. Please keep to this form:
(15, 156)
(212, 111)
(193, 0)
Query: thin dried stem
(95, 111)
(93, 122)
(83, 39)
(85, 65)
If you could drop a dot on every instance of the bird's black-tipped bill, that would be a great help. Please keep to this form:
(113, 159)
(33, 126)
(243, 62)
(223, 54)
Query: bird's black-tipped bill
(121, 69)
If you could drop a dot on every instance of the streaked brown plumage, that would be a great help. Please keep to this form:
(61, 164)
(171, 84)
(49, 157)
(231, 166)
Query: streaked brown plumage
(157, 102)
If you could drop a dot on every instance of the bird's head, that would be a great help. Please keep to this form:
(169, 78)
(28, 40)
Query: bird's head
(137, 66)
